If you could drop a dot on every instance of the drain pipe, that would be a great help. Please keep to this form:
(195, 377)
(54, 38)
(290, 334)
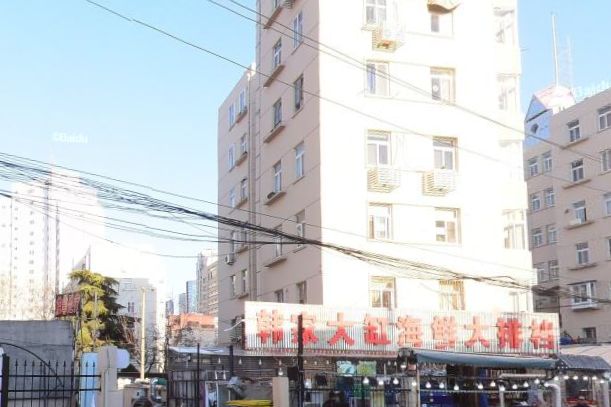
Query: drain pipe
(605, 390)
(557, 395)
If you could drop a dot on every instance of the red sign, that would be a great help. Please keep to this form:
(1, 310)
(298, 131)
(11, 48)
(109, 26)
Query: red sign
(67, 304)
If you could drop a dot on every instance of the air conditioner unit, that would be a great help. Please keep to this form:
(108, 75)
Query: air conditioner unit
(440, 181)
(230, 258)
(575, 222)
(383, 179)
(288, 3)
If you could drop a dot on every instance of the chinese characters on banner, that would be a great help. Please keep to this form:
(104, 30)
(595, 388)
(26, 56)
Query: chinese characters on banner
(271, 326)
(67, 304)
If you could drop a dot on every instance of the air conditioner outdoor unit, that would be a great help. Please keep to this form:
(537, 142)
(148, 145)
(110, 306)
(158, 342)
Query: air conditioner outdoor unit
(229, 259)
(288, 3)
(575, 222)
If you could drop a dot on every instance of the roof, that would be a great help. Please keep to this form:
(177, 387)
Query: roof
(473, 359)
(603, 351)
(554, 97)
(583, 362)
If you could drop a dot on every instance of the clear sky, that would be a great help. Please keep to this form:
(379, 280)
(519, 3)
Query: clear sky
(147, 105)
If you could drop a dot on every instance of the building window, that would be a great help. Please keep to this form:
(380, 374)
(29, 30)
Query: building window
(514, 229)
(232, 286)
(574, 131)
(380, 221)
(579, 211)
(589, 334)
(451, 295)
(298, 93)
(244, 274)
(542, 275)
(377, 78)
(537, 236)
(243, 189)
(609, 246)
(550, 197)
(378, 148)
(300, 225)
(231, 157)
(554, 270)
(302, 293)
(232, 198)
(279, 296)
(547, 161)
(607, 203)
(375, 11)
(604, 118)
(507, 92)
(583, 292)
(442, 84)
(533, 166)
(278, 177)
(583, 253)
(277, 52)
(244, 144)
(231, 115)
(298, 30)
(233, 240)
(127, 286)
(278, 243)
(242, 101)
(605, 158)
(552, 234)
(445, 153)
(441, 23)
(131, 307)
(577, 172)
(447, 225)
(504, 21)
(299, 161)
(382, 292)
(277, 113)
(535, 203)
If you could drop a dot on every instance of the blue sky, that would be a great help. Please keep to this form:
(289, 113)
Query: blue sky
(148, 105)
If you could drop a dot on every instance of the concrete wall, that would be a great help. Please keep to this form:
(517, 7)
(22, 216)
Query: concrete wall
(50, 340)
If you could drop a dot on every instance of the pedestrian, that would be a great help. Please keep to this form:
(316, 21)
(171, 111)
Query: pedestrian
(332, 401)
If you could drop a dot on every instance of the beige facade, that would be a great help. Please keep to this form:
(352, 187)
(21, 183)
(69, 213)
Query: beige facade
(339, 152)
(575, 164)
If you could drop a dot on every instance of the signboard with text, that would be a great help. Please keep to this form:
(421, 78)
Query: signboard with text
(273, 327)
(67, 304)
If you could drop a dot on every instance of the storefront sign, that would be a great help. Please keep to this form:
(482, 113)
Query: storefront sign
(272, 326)
(67, 304)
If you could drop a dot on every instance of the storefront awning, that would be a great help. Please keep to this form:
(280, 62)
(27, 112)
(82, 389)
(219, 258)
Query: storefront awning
(472, 359)
(583, 362)
(443, 6)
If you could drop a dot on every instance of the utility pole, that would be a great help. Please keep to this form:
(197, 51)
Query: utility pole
(142, 331)
(300, 381)
(95, 320)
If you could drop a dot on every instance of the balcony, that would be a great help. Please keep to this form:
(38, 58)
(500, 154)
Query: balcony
(578, 222)
(583, 266)
(383, 179)
(273, 75)
(585, 305)
(272, 17)
(240, 159)
(388, 38)
(440, 182)
(241, 114)
(275, 131)
(274, 260)
(273, 196)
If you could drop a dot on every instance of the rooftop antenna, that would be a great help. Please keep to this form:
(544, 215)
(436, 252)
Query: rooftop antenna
(556, 78)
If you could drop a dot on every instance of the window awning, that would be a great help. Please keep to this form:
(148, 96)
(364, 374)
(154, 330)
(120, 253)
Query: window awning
(443, 6)
(583, 362)
(473, 359)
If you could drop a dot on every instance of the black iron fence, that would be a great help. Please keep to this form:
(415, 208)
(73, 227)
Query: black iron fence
(36, 383)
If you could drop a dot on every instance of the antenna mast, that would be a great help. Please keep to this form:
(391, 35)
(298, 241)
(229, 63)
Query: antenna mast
(556, 77)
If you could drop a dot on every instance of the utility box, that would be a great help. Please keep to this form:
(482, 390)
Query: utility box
(134, 392)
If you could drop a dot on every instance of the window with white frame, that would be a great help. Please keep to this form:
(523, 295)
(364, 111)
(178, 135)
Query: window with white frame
(583, 293)
(232, 286)
(542, 275)
(278, 177)
(243, 144)
(553, 269)
(451, 295)
(277, 54)
(375, 11)
(535, 202)
(533, 166)
(547, 161)
(552, 234)
(233, 240)
(577, 171)
(298, 30)
(537, 237)
(579, 211)
(605, 159)
(277, 113)
(377, 78)
(514, 229)
(442, 23)
(574, 131)
(550, 197)
(231, 115)
(300, 225)
(447, 226)
(604, 118)
(299, 161)
(243, 189)
(242, 101)
(583, 253)
(244, 275)
(378, 148)
(382, 292)
(231, 157)
(504, 22)
(380, 221)
(232, 198)
(278, 243)
(279, 296)
(298, 93)
(507, 92)
(444, 149)
(442, 84)
(607, 203)
(302, 292)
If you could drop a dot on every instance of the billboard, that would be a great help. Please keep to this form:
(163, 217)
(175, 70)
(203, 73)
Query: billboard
(67, 304)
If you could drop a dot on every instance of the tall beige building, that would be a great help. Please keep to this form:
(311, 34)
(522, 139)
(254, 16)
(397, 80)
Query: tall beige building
(345, 131)
(569, 185)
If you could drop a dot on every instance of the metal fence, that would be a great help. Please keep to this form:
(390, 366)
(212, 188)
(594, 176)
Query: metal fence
(36, 383)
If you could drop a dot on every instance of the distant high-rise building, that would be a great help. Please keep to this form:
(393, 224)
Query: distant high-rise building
(182, 303)
(207, 283)
(191, 291)
(169, 307)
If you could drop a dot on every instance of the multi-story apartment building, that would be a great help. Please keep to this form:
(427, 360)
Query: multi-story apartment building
(368, 150)
(191, 291)
(207, 282)
(44, 228)
(569, 184)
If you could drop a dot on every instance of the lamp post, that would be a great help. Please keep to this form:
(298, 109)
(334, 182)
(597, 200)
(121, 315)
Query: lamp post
(143, 291)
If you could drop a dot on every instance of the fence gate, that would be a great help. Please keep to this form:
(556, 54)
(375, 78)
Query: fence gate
(35, 383)
(190, 388)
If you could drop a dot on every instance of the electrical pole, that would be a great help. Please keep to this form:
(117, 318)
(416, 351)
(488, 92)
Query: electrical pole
(142, 332)
(300, 381)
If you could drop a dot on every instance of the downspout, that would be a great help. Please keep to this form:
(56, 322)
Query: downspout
(604, 385)
(557, 395)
